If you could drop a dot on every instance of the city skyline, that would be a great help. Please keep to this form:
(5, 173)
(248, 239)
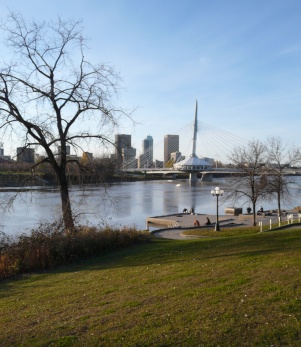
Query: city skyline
(123, 151)
(241, 60)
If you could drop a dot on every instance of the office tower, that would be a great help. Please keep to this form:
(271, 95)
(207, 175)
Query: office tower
(121, 141)
(25, 155)
(68, 151)
(146, 158)
(171, 145)
(124, 152)
(147, 145)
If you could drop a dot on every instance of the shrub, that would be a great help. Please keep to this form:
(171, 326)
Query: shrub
(49, 246)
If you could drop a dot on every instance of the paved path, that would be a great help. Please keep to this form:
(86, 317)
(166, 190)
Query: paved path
(186, 221)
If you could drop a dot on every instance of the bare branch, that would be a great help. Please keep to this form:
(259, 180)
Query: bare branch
(54, 94)
(251, 183)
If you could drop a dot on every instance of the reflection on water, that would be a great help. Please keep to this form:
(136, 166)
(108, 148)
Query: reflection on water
(123, 204)
(146, 199)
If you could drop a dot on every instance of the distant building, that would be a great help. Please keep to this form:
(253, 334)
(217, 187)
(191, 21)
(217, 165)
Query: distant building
(148, 146)
(3, 158)
(171, 145)
(158, 163)
(146, 158)
(143, 161)
(25, 155)
(69, 156)
(121, 141)
(176, 156)
(87, 157)
(128, 158)
(125, 154)
(68, 150)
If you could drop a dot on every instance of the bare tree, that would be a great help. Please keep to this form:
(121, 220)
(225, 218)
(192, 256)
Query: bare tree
(249, 182)
(54, 96)
(280, 158)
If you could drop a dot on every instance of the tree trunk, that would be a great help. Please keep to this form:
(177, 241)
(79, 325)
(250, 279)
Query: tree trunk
(279, 208)
(66, 205)
(254, 214)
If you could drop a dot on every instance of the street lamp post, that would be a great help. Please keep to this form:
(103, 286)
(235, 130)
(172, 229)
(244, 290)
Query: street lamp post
(217, 192)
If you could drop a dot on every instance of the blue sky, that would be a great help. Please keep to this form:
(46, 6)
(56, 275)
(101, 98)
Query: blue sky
(240, 59)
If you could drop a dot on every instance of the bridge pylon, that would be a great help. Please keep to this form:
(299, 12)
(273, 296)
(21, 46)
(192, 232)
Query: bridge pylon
(193, 164)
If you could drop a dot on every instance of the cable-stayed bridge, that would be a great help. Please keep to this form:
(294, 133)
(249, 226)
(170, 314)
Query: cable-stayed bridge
(206, 175)
(212, 142)
(198, 146)
(214, 145)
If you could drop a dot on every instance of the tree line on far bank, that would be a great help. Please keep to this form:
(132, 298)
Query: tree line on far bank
(90, 172)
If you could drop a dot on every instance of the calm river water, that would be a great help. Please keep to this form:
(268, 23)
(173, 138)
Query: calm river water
(122, 204)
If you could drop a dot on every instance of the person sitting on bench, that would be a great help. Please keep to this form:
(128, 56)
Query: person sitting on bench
(196, 223)
(208, 222)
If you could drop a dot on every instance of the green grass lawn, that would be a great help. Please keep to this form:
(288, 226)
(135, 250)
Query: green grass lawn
(240, 290)
(224, 232)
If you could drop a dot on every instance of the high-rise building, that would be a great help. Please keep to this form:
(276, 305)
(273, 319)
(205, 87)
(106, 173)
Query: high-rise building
(124, 152)
(121, 141)
(146, 158)
(171, 145)
(67, 150)
(68, 153)
(3, 158)
(25, 155)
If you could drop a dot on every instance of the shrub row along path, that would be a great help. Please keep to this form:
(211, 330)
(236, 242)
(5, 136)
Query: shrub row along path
(183, 221)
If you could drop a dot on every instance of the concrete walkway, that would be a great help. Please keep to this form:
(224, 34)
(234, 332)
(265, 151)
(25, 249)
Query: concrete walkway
(181, 222)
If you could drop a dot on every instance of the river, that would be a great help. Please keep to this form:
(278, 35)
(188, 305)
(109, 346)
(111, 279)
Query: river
(120, 205)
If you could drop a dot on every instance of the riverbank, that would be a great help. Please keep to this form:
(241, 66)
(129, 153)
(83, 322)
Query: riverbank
(28, 179)
(177, 223)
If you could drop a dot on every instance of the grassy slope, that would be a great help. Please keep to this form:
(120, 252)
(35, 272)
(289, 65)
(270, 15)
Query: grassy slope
(236, 291)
